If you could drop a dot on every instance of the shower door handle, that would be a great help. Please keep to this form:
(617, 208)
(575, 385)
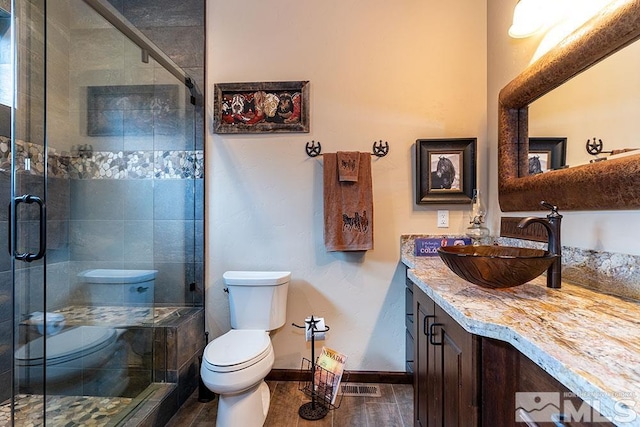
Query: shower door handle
(27, 256)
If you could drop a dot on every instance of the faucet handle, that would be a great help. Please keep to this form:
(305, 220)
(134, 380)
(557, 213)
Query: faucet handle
(553, 208)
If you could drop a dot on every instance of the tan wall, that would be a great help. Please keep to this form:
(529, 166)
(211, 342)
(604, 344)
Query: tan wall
(393, 71)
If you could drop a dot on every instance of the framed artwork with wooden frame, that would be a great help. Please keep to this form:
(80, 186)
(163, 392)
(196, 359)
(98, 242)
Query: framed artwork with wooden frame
(445, 170)
(261, 107)
(547, 154)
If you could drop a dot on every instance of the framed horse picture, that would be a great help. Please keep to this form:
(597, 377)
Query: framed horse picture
(445, 170)
(548, 153)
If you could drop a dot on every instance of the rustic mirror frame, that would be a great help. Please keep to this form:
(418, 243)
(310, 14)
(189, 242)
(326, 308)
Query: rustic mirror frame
(612, 184)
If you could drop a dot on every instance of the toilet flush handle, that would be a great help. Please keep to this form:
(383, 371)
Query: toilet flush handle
(142, 289)
(226, 290)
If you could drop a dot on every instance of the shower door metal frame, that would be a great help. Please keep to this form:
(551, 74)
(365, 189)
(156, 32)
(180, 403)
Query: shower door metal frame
(27, 186)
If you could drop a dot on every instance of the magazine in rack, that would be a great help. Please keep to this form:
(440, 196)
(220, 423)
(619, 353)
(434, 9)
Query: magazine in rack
(329, 369)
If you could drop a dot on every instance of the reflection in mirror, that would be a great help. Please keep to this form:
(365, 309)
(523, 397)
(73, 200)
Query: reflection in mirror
(547, 154)
(601, 104)
(604, 185)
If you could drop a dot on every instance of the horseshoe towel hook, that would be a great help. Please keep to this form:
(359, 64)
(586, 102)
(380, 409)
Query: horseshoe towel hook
(380, 149)
(312, 149)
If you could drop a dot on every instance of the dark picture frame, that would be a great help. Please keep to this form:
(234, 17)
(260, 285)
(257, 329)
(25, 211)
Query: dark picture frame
(547, 153)
(261, 107)
(445, 170)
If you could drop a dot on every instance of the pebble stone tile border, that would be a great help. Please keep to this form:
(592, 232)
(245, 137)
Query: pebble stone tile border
(68, 411)
(105, 164)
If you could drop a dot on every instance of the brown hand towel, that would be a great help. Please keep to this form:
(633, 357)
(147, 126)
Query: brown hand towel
(348, 165)
(348, 207)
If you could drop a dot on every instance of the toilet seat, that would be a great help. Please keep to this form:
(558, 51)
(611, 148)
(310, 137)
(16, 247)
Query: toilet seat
(237, 350)
(66, 346)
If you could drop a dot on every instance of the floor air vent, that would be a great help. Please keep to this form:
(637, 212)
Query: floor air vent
(356, 389)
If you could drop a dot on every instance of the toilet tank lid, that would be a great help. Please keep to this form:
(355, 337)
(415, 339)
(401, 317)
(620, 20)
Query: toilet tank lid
(256, 278)
(104, 275)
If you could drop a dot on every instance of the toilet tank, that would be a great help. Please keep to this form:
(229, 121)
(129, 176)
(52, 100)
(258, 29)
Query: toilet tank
(257, 299)
(119, 287)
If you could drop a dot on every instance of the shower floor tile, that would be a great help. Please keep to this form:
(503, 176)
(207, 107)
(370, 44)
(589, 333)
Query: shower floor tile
(64, 410)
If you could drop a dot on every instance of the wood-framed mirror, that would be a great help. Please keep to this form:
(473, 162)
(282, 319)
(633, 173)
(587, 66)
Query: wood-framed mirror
(607, 185)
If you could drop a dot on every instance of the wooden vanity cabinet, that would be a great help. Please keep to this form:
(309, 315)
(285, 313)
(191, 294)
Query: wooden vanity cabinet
(506, 371)
(464, 380)
(445, 368)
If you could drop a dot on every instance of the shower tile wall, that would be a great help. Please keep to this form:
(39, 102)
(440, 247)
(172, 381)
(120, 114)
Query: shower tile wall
(139, 224)
(153, 217)
(177, 27)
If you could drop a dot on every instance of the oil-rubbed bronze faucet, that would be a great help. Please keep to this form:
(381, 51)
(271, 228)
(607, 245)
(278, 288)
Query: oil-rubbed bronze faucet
(552, 224)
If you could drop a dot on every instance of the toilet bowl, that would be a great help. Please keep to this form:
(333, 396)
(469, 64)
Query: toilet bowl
(238, 360)
(235, 364)
(79, 361)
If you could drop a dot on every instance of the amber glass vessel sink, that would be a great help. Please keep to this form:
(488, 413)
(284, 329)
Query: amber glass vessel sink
(496, 266)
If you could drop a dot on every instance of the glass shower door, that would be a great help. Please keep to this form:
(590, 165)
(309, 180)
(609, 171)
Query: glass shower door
(98, 170)
(26, 217)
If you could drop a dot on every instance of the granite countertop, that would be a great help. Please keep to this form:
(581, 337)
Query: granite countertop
(587, 340)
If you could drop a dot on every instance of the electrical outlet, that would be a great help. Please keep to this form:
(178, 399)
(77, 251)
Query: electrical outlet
(443, 219)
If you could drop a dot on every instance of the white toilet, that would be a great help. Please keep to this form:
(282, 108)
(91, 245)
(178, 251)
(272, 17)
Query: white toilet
(84, 360)
(119, 287)
(235, 364)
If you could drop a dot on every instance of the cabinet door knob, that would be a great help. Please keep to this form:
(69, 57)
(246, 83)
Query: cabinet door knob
(433, 334)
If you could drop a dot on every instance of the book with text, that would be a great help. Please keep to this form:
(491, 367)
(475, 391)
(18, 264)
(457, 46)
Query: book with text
(329, 369)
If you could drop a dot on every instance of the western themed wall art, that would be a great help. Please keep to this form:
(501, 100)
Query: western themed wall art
(547, 154)
(261, 107)
(445, 170)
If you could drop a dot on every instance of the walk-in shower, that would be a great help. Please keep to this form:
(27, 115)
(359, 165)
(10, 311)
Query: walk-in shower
(101, 173)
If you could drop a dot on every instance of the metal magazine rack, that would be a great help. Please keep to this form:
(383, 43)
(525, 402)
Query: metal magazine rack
(320, 384)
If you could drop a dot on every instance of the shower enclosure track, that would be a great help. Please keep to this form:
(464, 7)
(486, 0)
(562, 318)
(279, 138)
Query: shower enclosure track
(148, 48)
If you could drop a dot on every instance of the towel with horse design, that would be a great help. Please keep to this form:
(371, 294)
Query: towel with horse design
(348, 204)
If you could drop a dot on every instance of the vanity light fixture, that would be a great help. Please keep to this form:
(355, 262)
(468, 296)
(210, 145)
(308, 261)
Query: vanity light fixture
(528, 18)
(532, 16)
